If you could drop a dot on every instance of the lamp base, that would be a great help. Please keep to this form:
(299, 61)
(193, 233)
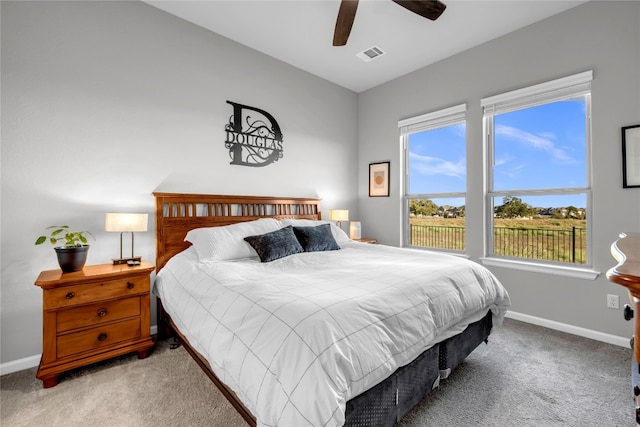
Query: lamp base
(135, 259)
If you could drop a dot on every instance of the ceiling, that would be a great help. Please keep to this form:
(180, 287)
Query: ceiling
(300, 32)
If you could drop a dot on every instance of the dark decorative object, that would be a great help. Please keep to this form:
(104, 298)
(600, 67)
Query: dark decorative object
(276, 244)
(72, 258)
(256, 144)
(631, 156)
(379, 179)
(316, 239)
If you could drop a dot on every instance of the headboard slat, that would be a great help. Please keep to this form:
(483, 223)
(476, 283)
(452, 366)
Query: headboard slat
(177, 213)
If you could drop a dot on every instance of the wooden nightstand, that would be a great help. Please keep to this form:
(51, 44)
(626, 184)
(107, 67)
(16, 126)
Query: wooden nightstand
(93, 315)
(365, 240)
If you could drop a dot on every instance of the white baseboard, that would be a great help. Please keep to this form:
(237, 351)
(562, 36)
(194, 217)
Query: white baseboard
(575, 330)
(20, 364)
(33, 361)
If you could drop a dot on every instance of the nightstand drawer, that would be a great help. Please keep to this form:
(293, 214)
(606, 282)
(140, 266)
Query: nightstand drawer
(90, 315)
(88, 293)
(98, 337)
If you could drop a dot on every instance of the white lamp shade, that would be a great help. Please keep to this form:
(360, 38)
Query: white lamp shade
(339, 215)
(126, 222)
(354, 230)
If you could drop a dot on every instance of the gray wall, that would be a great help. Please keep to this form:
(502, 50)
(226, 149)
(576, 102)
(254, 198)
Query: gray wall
(599, 36)
(105, 102)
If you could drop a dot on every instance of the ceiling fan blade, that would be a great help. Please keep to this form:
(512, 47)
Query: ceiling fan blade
(344, 22)
(430, 9)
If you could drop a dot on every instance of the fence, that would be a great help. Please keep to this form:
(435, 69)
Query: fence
(436, 236)
(563, 245)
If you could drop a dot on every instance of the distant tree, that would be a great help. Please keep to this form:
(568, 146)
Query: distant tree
(513, 207)
(423, 207)
(573, 212)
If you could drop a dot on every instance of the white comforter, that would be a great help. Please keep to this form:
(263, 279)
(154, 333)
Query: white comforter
(297, 337)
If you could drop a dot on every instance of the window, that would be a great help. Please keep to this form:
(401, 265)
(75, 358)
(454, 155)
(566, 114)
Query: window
(435, 182)
(538, 175)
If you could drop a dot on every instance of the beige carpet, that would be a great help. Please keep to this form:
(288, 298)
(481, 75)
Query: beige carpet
(526, 376)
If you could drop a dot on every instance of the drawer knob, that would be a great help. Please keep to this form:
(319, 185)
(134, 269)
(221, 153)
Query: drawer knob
(70, 295)
(628, 312)
(102, 337)
(129, 285)
(102, 312)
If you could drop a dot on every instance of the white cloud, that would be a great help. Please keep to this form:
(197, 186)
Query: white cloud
(503, 160)
(541, 142)
(514, 171)
(427, 165)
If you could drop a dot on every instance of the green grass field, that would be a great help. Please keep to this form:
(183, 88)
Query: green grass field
(541, 238)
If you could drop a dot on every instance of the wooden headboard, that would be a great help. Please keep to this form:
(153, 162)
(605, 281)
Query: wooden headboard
(177, 213)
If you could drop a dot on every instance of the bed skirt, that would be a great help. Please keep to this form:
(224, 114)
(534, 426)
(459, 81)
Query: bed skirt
(386, 403)
(455, 349)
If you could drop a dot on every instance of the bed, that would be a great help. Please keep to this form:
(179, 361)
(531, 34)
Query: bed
(327, 332)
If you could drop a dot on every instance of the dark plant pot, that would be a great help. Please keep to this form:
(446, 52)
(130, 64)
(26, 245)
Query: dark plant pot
(72, 258)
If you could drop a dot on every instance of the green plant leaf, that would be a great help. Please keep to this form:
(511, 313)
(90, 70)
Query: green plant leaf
(69, 238)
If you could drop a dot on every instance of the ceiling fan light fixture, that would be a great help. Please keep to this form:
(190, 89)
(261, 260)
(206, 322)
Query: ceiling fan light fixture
(370, 54)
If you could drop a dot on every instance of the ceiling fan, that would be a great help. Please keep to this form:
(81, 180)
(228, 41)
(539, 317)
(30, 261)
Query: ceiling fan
(430, 9)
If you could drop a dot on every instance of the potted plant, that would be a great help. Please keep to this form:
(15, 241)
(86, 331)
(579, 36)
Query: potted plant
(73, 253)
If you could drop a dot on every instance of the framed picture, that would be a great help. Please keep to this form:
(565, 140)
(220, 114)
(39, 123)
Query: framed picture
(379, 179)
(631, 156)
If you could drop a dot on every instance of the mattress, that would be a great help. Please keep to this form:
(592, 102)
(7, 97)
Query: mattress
(325, 324)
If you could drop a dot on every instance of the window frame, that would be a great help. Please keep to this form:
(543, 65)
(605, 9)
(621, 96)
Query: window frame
(573, 86)
(430, 121)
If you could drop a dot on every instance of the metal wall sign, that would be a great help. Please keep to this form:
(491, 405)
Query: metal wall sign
(252, 140)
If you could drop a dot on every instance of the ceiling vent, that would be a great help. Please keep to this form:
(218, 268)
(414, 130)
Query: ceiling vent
(370, 54)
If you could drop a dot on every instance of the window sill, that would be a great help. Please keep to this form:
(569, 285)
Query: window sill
(558, 270)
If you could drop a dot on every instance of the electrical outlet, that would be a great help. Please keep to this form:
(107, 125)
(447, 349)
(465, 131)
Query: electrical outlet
(613, 301)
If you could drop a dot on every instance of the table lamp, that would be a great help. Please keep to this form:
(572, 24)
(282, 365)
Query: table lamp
(339, 215)
(126, 223)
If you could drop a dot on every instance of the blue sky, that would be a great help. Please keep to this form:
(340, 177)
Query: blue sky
(540, 147)
(437, 160)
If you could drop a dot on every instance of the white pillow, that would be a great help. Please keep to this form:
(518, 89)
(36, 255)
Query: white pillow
(338, 233)
(227, 242)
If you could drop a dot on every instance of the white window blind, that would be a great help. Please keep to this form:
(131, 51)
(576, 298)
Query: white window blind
(437, 119)
(563, 88)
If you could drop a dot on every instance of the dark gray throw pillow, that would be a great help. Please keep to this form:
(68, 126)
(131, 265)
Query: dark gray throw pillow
(276, 244)
(316, 239)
